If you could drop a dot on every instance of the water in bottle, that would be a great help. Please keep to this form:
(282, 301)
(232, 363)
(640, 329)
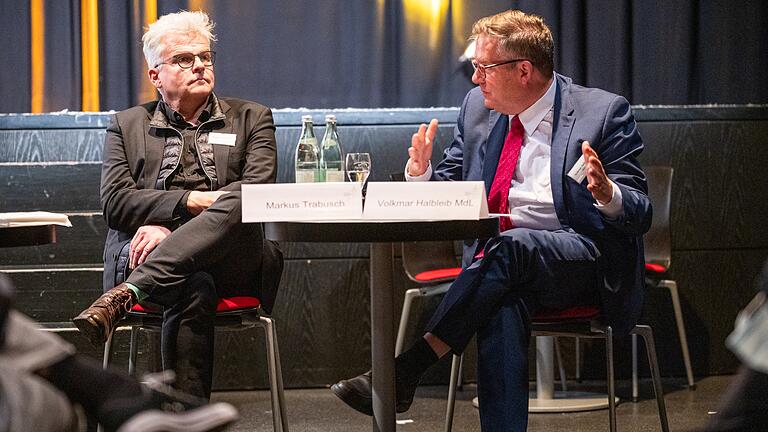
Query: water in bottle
(307, 154)
(331, 155)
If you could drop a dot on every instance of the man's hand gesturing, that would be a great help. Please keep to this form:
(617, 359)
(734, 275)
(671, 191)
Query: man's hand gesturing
(421, 148)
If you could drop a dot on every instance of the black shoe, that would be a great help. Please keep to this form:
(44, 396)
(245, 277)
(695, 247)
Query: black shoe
(99, 320)
(356, 392)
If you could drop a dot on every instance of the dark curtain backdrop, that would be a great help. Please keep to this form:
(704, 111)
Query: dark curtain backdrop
(401, 53)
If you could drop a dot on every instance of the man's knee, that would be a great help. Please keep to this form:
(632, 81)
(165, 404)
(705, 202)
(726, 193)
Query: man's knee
(200, 295)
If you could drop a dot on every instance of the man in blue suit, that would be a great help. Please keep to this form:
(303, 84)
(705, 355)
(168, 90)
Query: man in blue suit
(566, 240)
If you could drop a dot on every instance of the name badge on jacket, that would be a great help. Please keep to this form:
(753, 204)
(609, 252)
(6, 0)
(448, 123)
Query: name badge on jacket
(219, 138)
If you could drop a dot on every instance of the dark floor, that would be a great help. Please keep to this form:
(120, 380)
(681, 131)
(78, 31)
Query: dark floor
(318, 410)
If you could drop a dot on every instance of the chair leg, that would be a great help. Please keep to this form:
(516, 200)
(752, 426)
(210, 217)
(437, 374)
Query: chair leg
(404, 315)
(133, 350)
(635, 381)
(672, 287)
(650, 347)
(280, 387)
(560, 367)
(577, 351)
(275, 383)
(456, 364)
(611, 378)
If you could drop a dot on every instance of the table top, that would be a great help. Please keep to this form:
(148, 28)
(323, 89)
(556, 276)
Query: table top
(27, 236)
(381, 231)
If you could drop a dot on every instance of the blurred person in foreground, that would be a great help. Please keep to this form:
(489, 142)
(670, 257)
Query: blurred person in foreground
(170, 192)
(42, 379)
(744, 407)
(565, 241)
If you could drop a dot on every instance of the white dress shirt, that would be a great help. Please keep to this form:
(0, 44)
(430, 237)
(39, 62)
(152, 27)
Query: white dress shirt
(530, 195)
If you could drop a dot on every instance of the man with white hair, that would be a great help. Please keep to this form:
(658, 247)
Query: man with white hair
(170, 192)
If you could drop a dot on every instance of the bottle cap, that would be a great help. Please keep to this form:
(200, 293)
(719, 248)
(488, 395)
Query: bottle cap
(330, 118)
(306, 118)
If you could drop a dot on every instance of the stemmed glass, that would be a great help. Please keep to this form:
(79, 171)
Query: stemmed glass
(358, 167)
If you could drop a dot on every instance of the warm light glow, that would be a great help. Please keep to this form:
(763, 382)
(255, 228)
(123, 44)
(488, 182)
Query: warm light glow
(89, 45)
(146, 89)
(198, 5)
(430, 15)
(37, 54)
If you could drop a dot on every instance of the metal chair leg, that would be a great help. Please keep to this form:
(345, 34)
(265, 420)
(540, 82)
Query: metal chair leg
(456, 363)
(672, 287)
(560, 367)
(133, 350)
(611, 382)
(278, 414)
(280, 387)
(635, 383)
(577, 351)
(274, 384)
(404, 315)
(650, 347)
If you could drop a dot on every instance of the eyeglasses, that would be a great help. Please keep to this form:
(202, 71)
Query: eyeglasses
(481, 68)
(187, 60)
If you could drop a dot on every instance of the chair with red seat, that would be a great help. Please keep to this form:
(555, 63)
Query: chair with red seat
(582, 322)
(658, 258)
(232, 312)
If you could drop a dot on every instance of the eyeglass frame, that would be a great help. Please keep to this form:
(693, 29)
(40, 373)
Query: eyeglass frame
(481, 68)
(173, 60)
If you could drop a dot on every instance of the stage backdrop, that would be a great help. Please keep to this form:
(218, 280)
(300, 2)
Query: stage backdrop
(85, 54)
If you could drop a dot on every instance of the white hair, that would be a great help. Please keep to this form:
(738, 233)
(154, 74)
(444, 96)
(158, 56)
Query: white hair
(179, 23)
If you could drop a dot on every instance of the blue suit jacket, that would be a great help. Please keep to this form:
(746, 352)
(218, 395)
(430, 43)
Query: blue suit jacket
(606, 121)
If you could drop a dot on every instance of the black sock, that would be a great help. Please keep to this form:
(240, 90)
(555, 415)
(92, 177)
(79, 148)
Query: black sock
(413, 363)
(108, 395)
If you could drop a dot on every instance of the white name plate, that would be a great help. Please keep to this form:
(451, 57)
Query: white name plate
(296, 202)
(432, 200)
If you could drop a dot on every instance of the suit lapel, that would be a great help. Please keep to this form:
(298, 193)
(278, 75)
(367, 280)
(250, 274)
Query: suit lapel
(564, 120)
(498, 125)
(221, 152)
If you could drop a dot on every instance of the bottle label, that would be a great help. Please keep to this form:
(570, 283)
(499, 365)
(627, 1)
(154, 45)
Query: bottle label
(305, 176)
(334, 176)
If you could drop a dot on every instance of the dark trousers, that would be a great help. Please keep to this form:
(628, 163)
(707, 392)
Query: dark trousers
(213, 255)
(522, 270)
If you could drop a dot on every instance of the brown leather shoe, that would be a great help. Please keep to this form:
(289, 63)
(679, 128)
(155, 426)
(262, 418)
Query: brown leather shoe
(98, 321)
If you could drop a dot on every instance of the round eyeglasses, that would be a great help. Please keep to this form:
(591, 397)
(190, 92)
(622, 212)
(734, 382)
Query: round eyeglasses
(187, 60)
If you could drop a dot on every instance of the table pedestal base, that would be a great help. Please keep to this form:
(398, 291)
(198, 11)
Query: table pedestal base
(571, 401)
(545, 399)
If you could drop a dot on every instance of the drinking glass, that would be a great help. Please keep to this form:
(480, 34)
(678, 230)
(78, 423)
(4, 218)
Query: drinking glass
(358, 167)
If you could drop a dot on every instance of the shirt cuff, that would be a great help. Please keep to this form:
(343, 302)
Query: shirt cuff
(613, 209)
(424, 177)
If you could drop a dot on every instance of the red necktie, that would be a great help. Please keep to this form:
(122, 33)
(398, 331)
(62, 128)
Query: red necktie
(498, 198)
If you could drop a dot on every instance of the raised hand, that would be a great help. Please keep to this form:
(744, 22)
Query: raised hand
(421, 148)
(598, 182)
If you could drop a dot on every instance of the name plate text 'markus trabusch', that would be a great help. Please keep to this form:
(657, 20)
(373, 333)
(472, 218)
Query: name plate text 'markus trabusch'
(295, 202)
(426, 200)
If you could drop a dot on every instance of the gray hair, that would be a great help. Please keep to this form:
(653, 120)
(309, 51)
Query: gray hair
(179, 23)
